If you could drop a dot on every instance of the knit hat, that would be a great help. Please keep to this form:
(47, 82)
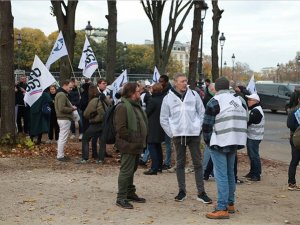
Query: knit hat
(222, 84)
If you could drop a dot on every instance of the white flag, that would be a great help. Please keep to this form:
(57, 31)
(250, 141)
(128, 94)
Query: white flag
(88, 61)
(156, 75)
(251, 85)
(118, 83)
(59, 50)
(39, 79)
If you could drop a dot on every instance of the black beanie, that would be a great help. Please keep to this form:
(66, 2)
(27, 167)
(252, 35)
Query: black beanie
(222, 84)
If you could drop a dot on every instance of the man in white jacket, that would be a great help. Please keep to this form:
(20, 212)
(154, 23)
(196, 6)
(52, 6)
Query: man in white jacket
(181, 117)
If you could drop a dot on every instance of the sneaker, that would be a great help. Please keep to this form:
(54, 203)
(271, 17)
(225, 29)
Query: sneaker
(218, 214)
(99, 162)
(239, 181)
(72, 136)
(136, 198)
(189, 170)
(64, 159)
(172, 169)
(180, 197)
(293, 187)
(80, 137)
(124, 204)
(230, 208)
(81, 161)
(204, 198)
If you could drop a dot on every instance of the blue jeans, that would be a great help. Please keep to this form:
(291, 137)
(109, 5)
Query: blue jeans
(168, 150)
(156, 156)
(224, 175)
(253, 153)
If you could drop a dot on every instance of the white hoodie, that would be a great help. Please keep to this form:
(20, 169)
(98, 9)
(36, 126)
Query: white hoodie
(182, 117)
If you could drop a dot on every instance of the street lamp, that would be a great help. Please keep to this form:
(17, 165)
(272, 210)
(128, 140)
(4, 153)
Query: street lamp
(19, 42)
(204, 7)
(278, 72)
(233, 59)
(125, 48)
(89, 28)
(222, 42)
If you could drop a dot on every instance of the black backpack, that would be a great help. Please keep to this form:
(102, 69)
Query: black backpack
(108, 130)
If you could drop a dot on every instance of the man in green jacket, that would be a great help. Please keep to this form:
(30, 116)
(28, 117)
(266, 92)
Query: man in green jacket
(130, 123)
(63, 109)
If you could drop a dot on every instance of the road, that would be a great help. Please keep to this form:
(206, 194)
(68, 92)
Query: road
(275, 144)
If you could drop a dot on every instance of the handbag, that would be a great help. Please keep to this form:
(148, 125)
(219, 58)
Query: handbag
(75, 116)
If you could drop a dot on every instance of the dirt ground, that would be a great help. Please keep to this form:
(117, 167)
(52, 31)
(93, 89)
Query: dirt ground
(37, 190)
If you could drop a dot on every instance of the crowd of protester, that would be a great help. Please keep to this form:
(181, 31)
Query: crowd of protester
(148, 116)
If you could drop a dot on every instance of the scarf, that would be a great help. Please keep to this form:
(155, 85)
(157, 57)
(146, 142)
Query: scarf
(131, 117)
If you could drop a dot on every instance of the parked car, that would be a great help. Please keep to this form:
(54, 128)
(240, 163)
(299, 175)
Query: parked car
(275, 96)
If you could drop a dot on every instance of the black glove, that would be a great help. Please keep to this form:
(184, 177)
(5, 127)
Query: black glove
(118, 95)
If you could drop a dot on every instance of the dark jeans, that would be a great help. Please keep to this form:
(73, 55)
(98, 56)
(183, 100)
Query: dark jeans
(253, 153)
(53, 127)
(293, 164)
(180, 144)
(129, 164)
(22, 114)
(93, 131)
(156, 156)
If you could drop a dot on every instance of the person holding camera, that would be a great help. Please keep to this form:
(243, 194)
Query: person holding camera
(94, 112)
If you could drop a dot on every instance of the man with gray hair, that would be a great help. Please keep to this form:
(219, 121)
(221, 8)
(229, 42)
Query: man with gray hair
(181, 117)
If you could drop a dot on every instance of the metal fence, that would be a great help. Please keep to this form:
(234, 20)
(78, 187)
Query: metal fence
(95, 77)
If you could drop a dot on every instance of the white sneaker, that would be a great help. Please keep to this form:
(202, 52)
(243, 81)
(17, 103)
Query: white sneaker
(48, 141)
(80, 137)
(72, 136)
(172, 170)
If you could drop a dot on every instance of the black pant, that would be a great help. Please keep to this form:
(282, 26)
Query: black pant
(53, 126)
(22, 114)
(293, 164)
(93, 131)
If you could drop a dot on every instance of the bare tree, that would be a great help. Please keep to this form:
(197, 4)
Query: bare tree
(217, 15)
(196, 32)
(65, 18)
(111, 40)
(7, 79)
(154, 11)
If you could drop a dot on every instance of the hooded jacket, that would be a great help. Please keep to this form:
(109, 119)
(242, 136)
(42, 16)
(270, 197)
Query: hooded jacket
(182, 115)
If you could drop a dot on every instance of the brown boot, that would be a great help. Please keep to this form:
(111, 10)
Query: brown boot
(230, 208)
(218, 214)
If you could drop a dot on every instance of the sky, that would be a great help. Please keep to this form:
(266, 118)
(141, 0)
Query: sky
(259, 33)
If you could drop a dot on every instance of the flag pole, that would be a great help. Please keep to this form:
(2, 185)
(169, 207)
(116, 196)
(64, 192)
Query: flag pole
(74, 75)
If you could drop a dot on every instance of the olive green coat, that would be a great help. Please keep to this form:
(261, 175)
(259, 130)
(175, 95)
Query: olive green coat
(131, 142)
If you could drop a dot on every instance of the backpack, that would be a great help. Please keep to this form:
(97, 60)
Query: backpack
(108, 129)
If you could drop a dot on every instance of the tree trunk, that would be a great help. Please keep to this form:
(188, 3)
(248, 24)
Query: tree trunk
(217, 15)
(7, 80)
(66, 23)
(154, 11)
(196, 32)
(112, 18)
